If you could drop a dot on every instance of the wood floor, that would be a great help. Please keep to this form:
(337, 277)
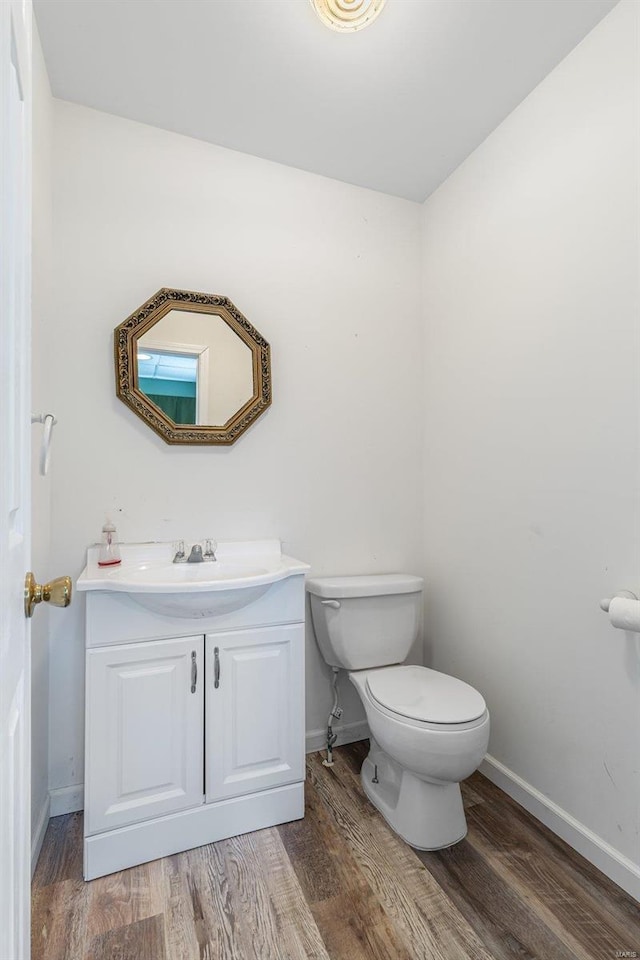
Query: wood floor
(339, 884)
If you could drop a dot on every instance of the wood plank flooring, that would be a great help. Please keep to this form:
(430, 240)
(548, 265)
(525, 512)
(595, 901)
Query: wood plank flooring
(339, 885)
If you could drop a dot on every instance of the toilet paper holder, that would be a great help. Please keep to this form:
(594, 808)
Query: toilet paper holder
(626, 594)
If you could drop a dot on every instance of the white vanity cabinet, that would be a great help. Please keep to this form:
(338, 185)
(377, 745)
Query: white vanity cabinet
(194, 725)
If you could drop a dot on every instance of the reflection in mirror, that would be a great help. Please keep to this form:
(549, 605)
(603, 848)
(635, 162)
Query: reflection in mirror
(170, 380)
(198, 371)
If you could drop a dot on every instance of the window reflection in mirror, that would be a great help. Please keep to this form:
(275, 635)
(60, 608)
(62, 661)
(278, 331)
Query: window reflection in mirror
(170, 380)
(195, 368)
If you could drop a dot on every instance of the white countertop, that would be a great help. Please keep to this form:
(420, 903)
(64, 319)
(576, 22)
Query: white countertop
(149, 568)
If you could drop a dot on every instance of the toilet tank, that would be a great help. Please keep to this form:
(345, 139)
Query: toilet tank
(365, 621)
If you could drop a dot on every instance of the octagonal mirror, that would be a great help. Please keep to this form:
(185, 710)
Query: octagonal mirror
(192, 367)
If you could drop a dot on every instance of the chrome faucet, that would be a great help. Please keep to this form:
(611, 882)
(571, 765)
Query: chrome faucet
(197, 555)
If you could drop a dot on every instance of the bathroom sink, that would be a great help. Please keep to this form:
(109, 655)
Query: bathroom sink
(243, 572)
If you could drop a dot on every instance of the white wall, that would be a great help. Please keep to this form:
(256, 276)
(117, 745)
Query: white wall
(328, 273)
(41, 402)
(532, 443)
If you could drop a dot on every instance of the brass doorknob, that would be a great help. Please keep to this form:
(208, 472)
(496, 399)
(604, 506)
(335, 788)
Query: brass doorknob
(57, 592)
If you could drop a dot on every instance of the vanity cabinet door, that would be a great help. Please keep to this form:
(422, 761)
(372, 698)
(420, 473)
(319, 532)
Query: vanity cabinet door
(144, 745)
(254, 710)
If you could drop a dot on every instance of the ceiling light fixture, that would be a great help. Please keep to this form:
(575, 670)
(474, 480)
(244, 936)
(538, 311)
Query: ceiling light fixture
(346, 16)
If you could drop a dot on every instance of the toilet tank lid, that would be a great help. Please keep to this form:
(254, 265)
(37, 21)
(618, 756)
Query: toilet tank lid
(371, 585)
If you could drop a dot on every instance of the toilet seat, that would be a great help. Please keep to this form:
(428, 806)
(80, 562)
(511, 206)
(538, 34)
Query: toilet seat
(425, 697)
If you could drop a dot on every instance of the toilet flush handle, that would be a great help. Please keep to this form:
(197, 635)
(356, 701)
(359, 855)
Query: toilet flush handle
(331, 603)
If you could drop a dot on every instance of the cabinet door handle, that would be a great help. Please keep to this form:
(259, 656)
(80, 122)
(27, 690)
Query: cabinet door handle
(216, 667)
(194, 671)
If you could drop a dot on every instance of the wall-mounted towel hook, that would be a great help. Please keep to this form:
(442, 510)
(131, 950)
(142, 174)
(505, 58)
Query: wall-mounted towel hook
(49, 422)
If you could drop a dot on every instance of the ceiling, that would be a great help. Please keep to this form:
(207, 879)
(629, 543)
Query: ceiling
(395, 107)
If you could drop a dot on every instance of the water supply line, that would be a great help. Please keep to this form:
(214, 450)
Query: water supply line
(336, 713)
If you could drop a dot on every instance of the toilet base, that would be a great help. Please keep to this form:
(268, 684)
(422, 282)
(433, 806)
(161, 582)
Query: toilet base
(427, 814)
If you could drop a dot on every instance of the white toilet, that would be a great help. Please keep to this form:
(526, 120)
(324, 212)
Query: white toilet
(429, 731)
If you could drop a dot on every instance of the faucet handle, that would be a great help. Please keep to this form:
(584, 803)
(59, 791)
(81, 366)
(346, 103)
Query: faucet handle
(210, 547)
(179, 556)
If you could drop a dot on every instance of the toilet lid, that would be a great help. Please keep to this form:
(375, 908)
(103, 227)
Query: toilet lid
(423, 694)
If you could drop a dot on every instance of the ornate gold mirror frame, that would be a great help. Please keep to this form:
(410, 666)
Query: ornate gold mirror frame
(127, 349)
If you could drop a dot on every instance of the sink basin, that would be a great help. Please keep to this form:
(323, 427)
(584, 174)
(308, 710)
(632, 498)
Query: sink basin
(243, 572)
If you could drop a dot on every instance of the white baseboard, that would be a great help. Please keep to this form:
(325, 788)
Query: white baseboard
(39, 832)
(592, 847)
(66, 799)
(347, 733)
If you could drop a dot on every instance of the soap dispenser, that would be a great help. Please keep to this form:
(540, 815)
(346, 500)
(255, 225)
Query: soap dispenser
(109, 550)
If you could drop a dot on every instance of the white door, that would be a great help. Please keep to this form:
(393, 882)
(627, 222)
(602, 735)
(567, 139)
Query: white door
(254, 710)
(15, 321)
(145, 731)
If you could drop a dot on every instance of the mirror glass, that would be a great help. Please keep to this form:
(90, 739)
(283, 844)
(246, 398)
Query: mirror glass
(195, 368)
